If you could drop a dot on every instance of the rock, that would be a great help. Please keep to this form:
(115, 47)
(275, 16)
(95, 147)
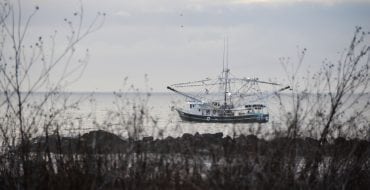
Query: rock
(94, 141)
(214, 138)
(187, 136)
(103, 141)
(148, 139)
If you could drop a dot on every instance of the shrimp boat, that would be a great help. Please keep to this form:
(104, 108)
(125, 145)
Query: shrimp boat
(219, 102)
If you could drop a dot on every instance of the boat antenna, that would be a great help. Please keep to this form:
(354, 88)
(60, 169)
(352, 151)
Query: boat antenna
(227, 53)
(223, 58)
(227, 70)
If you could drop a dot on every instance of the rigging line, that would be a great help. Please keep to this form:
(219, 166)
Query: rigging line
(191, 82)
(247, 93)
(262, 97)
(232, 77)
(210, 84)
(267, 95)
(204, 94)
(255, 80)
(195, 85)
(242, 87)
(264, 100)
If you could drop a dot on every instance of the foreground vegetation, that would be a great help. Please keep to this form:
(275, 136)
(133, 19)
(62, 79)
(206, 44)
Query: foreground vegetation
(102, 160)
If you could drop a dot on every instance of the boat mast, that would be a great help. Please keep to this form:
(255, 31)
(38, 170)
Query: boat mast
(226, 71)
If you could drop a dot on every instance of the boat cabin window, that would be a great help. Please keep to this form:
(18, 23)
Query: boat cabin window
(217, 104)
(208, 112)
(248, 107)
(258, 106)
(192, 105)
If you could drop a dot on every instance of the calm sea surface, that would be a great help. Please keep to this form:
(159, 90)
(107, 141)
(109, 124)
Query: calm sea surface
(95, 112)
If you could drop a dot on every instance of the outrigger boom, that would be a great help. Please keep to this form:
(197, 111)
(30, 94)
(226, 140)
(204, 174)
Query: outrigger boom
(186, 95)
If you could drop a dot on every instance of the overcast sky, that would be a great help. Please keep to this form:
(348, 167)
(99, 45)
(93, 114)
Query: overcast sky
(182, 40)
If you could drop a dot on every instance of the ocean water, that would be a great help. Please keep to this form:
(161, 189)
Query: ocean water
(96, 111)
